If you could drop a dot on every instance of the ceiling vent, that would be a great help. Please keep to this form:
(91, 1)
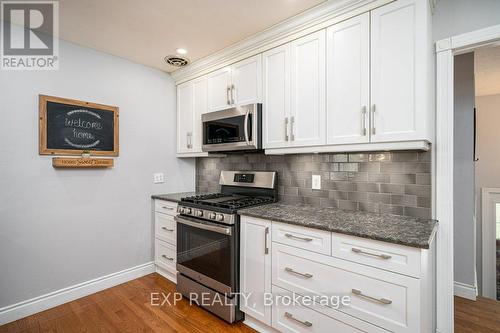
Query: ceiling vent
(176, 61)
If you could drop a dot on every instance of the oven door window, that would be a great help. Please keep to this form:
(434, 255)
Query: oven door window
(206, 252)
(227, 130)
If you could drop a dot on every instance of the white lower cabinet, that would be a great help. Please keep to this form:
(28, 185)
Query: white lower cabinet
(165, 239)
(385, 292)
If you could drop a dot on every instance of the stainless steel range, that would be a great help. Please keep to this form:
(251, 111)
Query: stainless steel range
(208, 240)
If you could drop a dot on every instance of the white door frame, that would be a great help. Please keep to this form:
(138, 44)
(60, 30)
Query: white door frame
(446, 49)
(489, 241)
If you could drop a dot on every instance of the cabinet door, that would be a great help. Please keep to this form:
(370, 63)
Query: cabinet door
(276, 97)
(219, 83)
(255, 267)
(348, 80)
(246, 78)
(308, 112)
(393, 72)
(200, 106)
(184, 117)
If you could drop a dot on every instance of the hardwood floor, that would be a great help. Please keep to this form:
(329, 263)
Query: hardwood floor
(125, 308)
(481, 316)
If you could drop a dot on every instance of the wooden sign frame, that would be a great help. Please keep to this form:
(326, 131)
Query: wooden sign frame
(42, 111)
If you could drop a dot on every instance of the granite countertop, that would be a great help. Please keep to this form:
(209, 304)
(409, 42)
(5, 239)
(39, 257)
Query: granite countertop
(174, 197)
(403, 230)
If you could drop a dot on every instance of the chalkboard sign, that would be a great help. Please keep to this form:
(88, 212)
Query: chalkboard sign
(70, 127)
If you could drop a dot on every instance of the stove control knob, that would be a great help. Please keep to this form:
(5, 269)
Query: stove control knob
(187, 210)
(199, 213)
(220, 217)
(212, 216)
(180, 210)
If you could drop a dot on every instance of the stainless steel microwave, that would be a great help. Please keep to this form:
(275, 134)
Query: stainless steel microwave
(238, 128)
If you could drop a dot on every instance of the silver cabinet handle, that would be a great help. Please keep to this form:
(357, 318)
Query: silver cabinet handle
(189, 143)
(247, 140)
(167, 229)
(373, 119)
(382, 256)
(305, 322)
(379, 300)
(266, 234)
(307, 239)
(291, 271)
(363, 120)
(166, 207)
(168, 258)
(227, 95)
(286, 128)
(292, 123)
(232, 94)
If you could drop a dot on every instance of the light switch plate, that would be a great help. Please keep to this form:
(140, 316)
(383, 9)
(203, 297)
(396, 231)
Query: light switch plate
(158, 178)
(316, 182)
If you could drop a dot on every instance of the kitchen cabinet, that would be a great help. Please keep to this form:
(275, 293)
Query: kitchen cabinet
(348, 81)
(399, 68)
(165, 240)
(238, 84)
(255, 267)
(294, 93)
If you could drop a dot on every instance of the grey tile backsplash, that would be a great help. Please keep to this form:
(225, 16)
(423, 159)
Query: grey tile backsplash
(386, 182)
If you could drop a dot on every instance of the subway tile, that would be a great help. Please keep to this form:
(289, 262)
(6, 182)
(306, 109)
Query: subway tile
(343, 186)
(338, 176)
(380, 157)
(357, 176)
(424, 178)
(357, 196)
(348, 205)
(291, 200)
(371, 167)
(367, 187)
(337, 195)
(338, 158)
(403, 200)
(392, 167)
(418, 190)
(321, 158)
(369, 207)
(424, 202)
(420, 167)
(379, 177)
(391, 209)
(314, 201)
(403, 178)
(291, 191)
(379, 197)
(358, 157)
(392, 188)
(348, 167)
(424, 213)
(404, 156)
(332, 203)
(425, 156)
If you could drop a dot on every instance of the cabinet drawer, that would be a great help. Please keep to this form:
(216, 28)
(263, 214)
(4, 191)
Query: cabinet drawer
(166, 207)
(392, 257)
(300, 318)
(301, 237)
(165, 228)
(382, 298)
(165, 255)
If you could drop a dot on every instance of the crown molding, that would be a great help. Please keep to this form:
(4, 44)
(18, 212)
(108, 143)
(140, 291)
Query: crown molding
(314, 19)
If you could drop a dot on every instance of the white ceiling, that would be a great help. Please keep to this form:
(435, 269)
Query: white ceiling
(487, 70)
(147, 31)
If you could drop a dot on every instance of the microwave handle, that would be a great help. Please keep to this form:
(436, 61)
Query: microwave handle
(247, 140)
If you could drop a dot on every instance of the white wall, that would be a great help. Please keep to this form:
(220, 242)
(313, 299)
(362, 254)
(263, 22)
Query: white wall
(488, 152)
(463, 173)
(62, 227)
(454, 17)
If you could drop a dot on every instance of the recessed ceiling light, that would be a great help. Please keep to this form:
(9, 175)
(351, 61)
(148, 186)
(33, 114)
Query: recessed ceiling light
(181, 51)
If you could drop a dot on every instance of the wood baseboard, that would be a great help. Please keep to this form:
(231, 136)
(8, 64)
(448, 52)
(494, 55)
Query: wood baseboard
(61, 296)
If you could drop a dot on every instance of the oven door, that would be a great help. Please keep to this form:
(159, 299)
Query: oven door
(232, 129)
(207, 253)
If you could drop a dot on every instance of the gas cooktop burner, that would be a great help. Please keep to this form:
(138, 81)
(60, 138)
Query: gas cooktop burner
(228, 201)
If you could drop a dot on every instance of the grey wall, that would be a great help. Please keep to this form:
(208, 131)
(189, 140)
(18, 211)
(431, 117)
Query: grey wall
(397, 182)
(463, 173)
(454, 17)
(62, 227)
(488, 152)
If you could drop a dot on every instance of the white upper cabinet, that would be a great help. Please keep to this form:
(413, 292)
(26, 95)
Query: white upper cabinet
(200, 106)
(276, 97)
(185, 117)
(238, 84)
(399, 68)
(307, 120)
(219, 89)
(348, 81)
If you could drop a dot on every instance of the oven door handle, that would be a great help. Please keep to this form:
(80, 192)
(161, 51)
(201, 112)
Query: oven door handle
(204, 226)
(247, 115)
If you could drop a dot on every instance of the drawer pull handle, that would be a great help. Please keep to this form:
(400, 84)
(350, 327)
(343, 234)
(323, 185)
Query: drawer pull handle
(379, 300)
(167, 229)
(169, 208)
(266, 233)
(305, 322)
(291, 271)
(382, 256)
(307, 239)
(168, 258)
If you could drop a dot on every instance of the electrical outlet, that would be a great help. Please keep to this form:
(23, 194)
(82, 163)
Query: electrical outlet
(158, 178)
(316, 182)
